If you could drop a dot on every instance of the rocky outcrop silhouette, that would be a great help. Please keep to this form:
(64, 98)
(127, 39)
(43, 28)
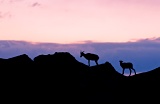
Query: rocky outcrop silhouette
(59, 77)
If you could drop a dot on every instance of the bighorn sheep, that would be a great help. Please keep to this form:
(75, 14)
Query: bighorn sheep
(90, 56)
(127, 65)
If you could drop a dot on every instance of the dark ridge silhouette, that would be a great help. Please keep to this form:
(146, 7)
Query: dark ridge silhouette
(17, 60)
(59, 77)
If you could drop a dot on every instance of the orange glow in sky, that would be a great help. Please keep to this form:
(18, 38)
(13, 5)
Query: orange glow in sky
(68, 21)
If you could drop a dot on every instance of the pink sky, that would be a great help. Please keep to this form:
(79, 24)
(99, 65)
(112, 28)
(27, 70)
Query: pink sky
(68, 21)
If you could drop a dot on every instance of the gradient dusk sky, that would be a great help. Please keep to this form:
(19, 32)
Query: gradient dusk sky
(70, 21)
(116, 30)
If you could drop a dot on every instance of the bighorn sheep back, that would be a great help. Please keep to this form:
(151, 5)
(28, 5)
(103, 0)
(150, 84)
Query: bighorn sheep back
(90, 56)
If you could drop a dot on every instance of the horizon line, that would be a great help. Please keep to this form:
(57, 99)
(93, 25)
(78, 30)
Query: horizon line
(82, 41)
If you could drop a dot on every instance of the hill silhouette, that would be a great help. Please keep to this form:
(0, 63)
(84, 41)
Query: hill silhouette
(59, 77)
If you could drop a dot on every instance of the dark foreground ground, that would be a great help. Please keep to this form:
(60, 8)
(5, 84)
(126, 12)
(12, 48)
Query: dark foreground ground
(60, 78)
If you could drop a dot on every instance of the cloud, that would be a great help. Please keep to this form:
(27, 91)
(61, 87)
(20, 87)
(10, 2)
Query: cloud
(35, 4)
(144, 53)
(13, 1)
(9, 1)
(5, 15)
(151, 40)
(7, 4)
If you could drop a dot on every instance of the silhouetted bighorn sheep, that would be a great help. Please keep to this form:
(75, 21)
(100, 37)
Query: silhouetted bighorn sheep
(127, 65)
(90, 56)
